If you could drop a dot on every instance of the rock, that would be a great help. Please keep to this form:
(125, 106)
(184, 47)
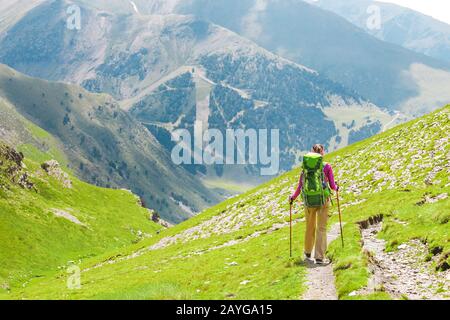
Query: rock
(24, 182)
(155, 217)
(12, 155)
(352, 294)
(427, 199)
(14, 167)
(402, 246)
(5, 286)
(53, 169)
(245, 282)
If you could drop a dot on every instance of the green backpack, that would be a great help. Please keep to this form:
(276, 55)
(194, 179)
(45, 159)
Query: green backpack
(316, 190)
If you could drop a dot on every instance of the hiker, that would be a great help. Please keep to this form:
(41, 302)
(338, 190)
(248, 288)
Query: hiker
(315, 182)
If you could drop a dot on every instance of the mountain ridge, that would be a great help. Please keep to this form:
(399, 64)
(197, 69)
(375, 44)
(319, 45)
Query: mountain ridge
(338, 50)
(400, 25)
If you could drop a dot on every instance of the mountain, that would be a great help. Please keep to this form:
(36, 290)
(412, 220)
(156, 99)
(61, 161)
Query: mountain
(169, 70)
(12, 11)
(399, 25)
(103, 144)
(395, 207)
(385, 74)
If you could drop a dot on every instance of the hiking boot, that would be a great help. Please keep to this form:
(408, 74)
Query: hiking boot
(308, 256)
(323, 262)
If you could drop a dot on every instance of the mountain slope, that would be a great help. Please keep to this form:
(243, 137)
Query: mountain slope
(210, 73)
(104, 145)
(13, 10)
(386, 74)
(48, 218)
(26, 137)
(242, 245)
(399, 25)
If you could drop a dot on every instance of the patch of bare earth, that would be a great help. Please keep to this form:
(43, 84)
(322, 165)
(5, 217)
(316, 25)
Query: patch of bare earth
(66, 215)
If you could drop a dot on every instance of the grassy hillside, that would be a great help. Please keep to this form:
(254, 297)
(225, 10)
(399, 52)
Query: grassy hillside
(104, 145)
(50, 218)
(31, 140)
(240, 248)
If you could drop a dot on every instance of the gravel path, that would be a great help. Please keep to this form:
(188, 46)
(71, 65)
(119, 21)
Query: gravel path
(320, 279)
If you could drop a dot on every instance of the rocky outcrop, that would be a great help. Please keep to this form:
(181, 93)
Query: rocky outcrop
(12, 155)
(53, 169)
(24, 181)
(156, 218)
(11, 167)
(432, 199)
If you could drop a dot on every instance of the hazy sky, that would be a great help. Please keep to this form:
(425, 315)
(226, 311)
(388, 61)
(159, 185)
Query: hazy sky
(439, 9)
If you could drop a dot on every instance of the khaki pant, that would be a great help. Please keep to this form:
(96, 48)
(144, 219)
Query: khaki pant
(316, 231)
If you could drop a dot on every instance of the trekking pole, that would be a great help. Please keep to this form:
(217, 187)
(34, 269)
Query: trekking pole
(290, 228)
(340, 216)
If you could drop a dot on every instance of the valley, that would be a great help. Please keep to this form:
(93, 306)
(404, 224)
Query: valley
(169, 70)
(101, 143)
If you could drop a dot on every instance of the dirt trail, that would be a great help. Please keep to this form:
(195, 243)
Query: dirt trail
(320, 279)
(403, 273)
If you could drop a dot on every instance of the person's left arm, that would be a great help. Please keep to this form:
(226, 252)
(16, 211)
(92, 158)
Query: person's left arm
(330, 177)
(299, 189)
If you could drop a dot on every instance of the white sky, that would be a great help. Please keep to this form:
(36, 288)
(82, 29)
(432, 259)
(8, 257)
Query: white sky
(439, 9)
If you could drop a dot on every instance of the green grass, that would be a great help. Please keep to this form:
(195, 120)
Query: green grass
(156, 276)
(272, 276)
(35, 241)
(35, 143)
(32, 152)
(187, 270)
(227, 185)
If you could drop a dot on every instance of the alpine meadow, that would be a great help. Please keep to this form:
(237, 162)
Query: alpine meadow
(223, 150)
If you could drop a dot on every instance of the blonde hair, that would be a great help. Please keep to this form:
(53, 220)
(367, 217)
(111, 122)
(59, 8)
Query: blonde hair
(318, 148)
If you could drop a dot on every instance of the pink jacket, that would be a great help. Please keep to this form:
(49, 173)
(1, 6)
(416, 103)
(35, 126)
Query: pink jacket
(329, 177)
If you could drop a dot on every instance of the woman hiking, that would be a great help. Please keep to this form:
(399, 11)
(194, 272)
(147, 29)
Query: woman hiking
(315, 183)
